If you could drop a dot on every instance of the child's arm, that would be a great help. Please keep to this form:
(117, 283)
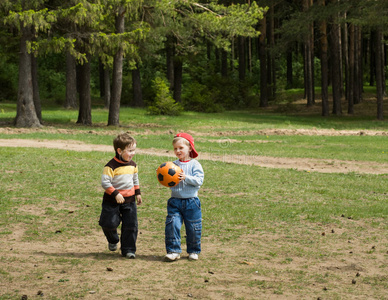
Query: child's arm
(106, 183)
(196, 177)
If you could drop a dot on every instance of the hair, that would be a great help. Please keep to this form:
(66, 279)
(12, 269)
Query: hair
(123, 140)
(178, 138)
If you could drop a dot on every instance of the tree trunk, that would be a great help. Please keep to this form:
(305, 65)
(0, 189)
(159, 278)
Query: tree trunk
(357, 87)
(335, 67)
(136, 84)
(345, 53)
(308, 59)
(35, 88)
(85, 102)
(178, 70)
(324, 66)
(263, 64)
(26, 113)
(101, 77)
(117, 76)
(379, 74)
(271, 77)
(351, 81)
(71, 82)
(170, 60)
(107, 87)
(372, 62)
(241, 58)
(224, 63)
(289, 69)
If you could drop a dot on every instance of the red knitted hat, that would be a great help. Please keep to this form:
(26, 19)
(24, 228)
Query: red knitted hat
(186, 136)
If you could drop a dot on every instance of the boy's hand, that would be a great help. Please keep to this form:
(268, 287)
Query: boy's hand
(120, 199)
(139, 200)
(182, 176)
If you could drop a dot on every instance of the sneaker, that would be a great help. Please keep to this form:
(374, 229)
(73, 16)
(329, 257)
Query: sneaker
(130, 255)
(193, 256)
(172, 256)
(112, 247)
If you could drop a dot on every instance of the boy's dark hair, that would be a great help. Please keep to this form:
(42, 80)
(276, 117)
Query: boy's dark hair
(123, 140)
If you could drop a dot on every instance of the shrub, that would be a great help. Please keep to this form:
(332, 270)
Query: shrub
(198, 97)
(164, 103)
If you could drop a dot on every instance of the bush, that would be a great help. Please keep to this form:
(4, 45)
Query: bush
(198, 97)
(164, 103)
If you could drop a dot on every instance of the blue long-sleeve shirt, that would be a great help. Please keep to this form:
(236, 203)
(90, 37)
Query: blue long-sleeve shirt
(189, 187)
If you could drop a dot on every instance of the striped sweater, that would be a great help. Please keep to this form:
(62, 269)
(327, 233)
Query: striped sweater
(120, 177)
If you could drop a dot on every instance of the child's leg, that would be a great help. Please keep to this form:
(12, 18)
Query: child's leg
(192, 216)
(173, 226)
(109, 221)
(129, 227)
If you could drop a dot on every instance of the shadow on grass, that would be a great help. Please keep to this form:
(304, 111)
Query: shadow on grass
(98, 256)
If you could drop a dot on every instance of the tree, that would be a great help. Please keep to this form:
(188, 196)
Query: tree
(324, 64)
(28, 17)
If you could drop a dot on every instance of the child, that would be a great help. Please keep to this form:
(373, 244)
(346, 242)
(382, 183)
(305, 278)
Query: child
(184, 205)
(121, 184)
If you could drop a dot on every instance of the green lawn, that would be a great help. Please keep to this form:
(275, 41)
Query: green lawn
(267, 233)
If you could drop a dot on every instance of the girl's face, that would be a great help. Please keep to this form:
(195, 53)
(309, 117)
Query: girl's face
(128, 153)
(182, 150)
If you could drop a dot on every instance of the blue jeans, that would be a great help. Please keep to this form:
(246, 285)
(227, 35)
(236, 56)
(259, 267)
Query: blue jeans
(179, 211)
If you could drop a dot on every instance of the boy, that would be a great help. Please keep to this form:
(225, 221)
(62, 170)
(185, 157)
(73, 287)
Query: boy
(184, 204)
(121, 184)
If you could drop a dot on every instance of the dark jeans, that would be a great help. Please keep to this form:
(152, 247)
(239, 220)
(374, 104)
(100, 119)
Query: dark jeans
(110, 218)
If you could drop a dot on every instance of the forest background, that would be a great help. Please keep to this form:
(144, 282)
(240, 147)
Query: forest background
(205, 56)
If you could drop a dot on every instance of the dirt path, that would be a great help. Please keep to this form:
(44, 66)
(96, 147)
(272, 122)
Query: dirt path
(301, 164)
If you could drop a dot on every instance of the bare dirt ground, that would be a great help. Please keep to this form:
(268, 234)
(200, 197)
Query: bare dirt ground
(85, 269)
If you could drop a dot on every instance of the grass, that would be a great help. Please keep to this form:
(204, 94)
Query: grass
(267, 233)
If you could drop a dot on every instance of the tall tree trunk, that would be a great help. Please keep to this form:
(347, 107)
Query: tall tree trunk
(289, 69)
(324, 65)
(335, 67)
(178, 71)
(85, 102)
(170, 60)
(136, 84)
(107, 87)
(26, 113)
(35, 87)
(241, 58)
(379, 74)
(357, 86)
(263, 64)
(308, 58)
(372, 62)
(117, 76)
(224, 63)
(101, 77)
(271, 77)
(71, 81)
(345, 53)
(351, 81)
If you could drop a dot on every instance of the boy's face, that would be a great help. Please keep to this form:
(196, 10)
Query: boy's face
(128, 153)
(182, 150)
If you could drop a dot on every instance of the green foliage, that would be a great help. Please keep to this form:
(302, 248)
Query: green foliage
(198, 97)
(164, 103)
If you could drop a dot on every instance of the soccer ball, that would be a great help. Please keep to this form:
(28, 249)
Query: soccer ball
(168, 174)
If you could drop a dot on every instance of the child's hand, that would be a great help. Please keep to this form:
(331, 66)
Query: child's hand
(139, 200)
(182, 176)
(120, 199)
